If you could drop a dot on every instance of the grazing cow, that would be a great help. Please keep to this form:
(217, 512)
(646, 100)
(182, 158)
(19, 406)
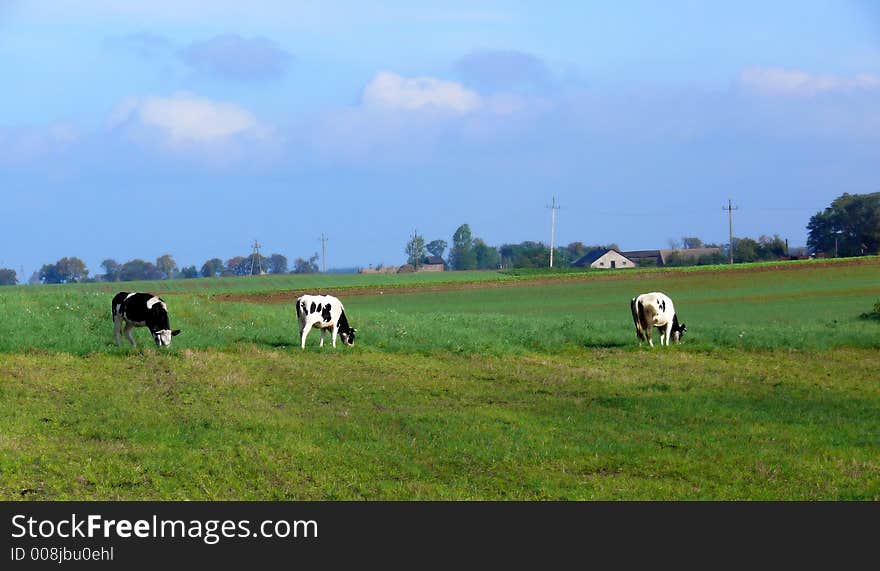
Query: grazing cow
(324, 312)
(655, 309)
(140, 310)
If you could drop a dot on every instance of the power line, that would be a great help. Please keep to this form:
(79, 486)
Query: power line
(730, 208)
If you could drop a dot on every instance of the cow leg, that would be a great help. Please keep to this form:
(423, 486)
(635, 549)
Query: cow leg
(323, 331)
(304, 333)
(334, 333)
(128, 328)
(649, 333)
(117, 329)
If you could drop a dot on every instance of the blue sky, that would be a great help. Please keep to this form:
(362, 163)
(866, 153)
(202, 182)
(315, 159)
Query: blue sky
(136, 129)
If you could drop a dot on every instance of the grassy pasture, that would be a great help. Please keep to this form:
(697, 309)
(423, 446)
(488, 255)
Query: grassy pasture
(805, 307)
(521, 389)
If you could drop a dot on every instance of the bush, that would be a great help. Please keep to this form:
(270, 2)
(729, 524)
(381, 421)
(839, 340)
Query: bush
(406, 269)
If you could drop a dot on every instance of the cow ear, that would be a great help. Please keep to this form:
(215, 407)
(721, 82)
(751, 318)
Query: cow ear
(175, 332)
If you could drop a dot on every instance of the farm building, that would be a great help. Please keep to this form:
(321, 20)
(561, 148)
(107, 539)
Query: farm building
(660, 257)
(432, 264)
(604, 259)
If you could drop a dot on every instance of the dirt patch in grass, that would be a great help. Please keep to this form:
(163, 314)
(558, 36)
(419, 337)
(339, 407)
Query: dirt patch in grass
(288, 296)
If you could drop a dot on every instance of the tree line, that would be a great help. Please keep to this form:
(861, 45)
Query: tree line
(74, 270)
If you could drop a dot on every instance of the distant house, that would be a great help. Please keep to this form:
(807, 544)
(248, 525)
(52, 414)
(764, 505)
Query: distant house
(432, 264)
(604, 260)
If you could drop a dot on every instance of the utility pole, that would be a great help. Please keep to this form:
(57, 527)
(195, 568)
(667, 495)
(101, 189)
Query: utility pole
(323, 253)
(553, 208)
(730, 208)
(255, 255)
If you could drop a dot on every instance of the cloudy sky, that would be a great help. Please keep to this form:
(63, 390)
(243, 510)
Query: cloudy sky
(135, 129)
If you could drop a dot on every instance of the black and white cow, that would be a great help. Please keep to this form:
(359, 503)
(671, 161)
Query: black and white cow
(324, 312)
(655, 309)
(141, 310)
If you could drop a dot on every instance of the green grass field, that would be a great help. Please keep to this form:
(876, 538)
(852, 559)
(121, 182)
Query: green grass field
(478, 385)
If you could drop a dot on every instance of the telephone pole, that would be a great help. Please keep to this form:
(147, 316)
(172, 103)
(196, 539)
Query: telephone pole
(323, 253)
(553, 208)
(730, 208)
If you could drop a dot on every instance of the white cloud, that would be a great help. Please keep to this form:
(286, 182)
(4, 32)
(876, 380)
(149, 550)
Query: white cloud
(391, 91)
(777, 81)
(186, 119)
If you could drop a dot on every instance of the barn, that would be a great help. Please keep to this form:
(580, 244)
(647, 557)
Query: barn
(604, 260)
(432, 264)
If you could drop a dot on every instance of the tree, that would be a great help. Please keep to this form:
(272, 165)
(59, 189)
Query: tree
(436, 247)
(310, 266)
(486, 256)
(72, 270)
(138, 269)
(415, 249)
(691, 242)
(7, 277)
(238, 266)
(576, 250)
(189, 272)
(849, 227)
(277, 264)
(49, 274)
(745, 250)
(111, 270)
(526, 254)
(461, 257)
(212, 268)
(167, 266)
(771, 248)
(64, 271)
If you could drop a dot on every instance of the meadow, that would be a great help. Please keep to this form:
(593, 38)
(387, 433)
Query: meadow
(471, 385)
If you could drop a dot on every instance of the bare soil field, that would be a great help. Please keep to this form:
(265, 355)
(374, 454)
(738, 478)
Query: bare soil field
(288, 296)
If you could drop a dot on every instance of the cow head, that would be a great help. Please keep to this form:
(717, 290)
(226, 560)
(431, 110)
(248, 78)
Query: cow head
(163, 337)
(348, 336)
(678, 330)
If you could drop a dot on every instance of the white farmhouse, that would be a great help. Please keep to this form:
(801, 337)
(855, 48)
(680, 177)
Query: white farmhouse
(604, 260)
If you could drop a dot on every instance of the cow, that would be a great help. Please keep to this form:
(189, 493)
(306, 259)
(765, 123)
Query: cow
(655, 309)
(324, 312)
(141, 310)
